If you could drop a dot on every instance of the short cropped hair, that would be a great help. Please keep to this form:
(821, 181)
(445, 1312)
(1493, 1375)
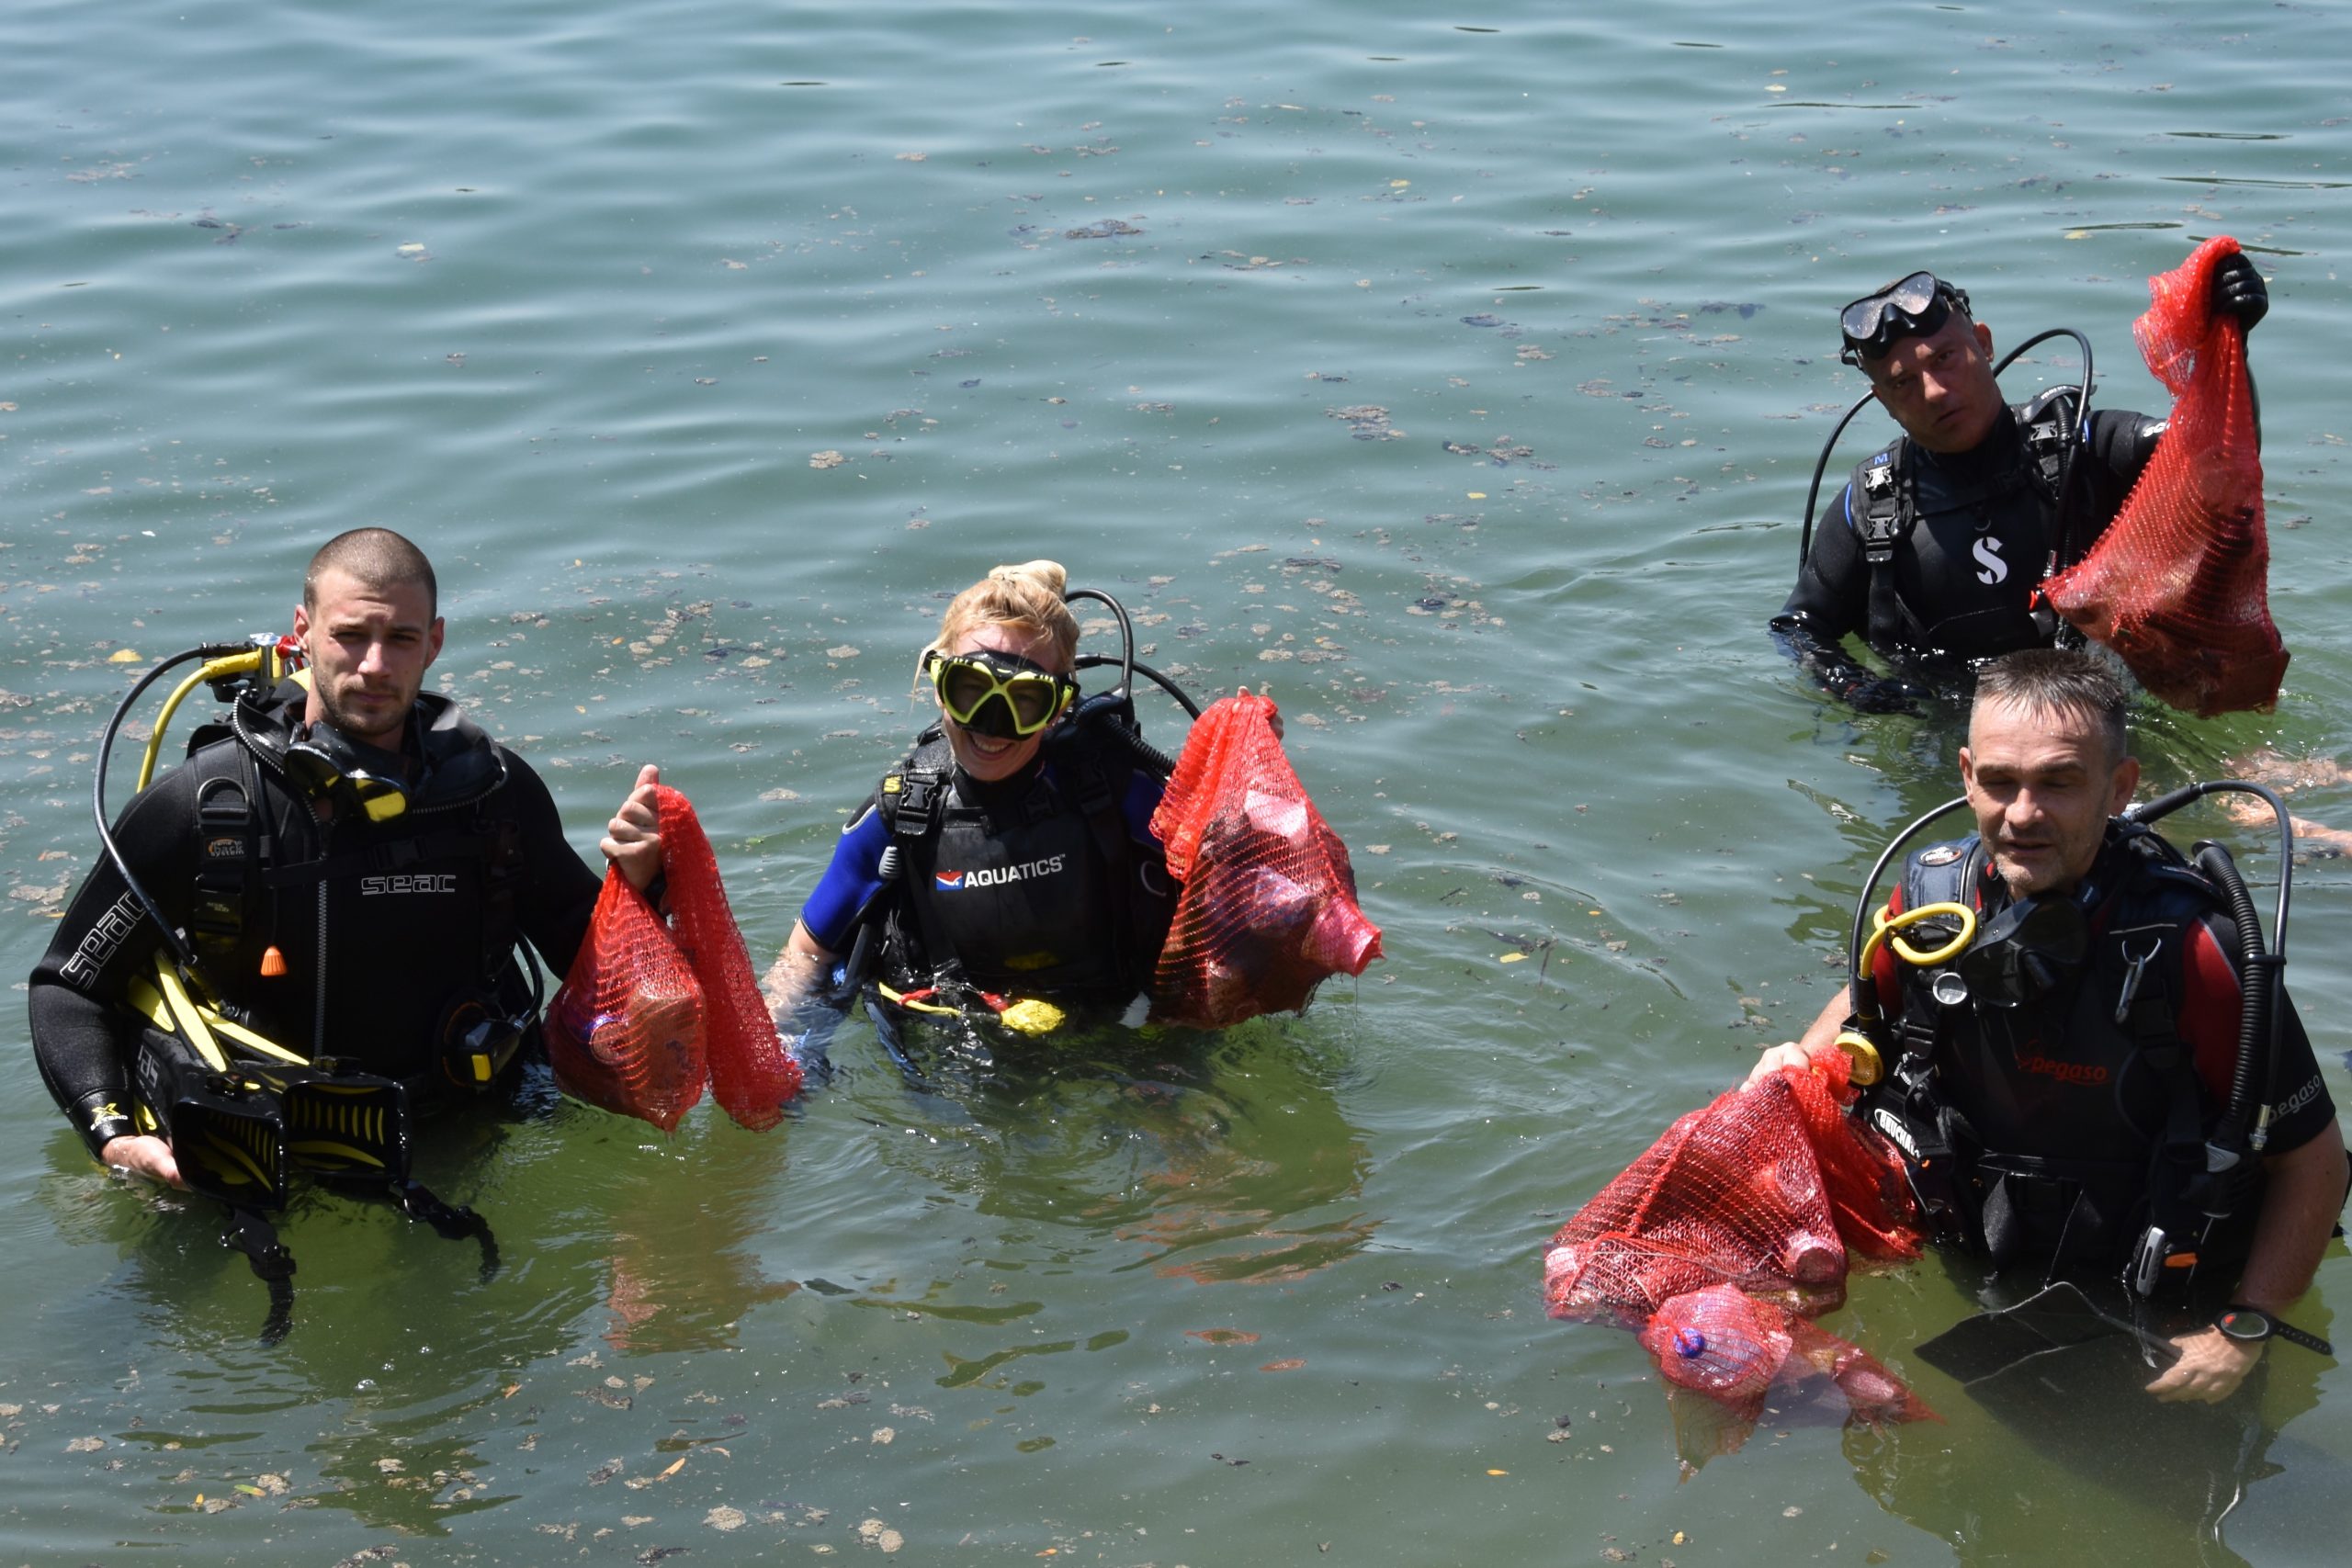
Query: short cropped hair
(2048, 681)
(375, 558)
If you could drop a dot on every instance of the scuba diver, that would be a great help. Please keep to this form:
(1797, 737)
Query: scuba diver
(313, 923)
(1009, 860)
(2076, 1042)
(1934, 549)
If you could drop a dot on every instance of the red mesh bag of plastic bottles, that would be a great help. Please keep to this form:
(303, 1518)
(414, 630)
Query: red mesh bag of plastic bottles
(1728, 1231)
(625, 1030)
(649, 1013)
(1269, 902)
(2179, 583)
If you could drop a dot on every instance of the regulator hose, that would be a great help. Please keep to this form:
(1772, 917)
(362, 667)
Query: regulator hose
(2258, 983)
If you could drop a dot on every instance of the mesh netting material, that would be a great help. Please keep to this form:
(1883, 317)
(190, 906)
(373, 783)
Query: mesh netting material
(625, 1030)
(1728, 1231)
(1269, 902)
(649, 1012)
(2177, 583)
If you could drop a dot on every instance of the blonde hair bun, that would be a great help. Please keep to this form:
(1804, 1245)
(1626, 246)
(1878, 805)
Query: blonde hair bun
(1047, 574)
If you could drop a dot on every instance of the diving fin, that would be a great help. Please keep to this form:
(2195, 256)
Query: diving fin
(2057, 1317)
(226, 1131)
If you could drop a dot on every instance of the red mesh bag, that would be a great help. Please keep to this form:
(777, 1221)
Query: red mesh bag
(1269, 902)
(1725, 1234)
(626, 1031)
(752, 1074)
(649, 1012)
(2177, 583)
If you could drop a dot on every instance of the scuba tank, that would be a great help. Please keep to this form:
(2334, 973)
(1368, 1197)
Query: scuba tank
(242, 1113)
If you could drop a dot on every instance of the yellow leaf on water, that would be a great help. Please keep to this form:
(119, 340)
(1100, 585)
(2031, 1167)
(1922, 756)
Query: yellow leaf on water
(2078, 234)
(124, 656)
(1514, 958)
(1498, 1473)
(675, 1465)
(1478, 495)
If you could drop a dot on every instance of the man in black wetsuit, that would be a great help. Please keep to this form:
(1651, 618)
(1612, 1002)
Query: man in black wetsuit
(352, 863)
(1932, 550)
(2045, 1103)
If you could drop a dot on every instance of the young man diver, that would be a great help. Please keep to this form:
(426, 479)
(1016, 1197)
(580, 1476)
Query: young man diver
(1932, 550)
(2058, 1091)
(348, 868)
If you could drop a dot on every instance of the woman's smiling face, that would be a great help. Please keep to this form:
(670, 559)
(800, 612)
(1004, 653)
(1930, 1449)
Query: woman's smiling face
(989, 758)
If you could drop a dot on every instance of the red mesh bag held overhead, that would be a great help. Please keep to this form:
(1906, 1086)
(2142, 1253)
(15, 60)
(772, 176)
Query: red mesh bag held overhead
(1718, 1242)
(649, 1012)
(2179, 583)
(1268, 907)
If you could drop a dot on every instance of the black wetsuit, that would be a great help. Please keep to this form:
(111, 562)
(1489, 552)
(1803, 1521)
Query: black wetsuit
(380, 926)
(1984, 529)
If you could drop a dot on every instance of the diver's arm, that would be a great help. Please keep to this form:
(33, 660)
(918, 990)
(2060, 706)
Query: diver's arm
(560, 893)
(84, 1037)
(1828, 602)
(2304, 1193)
(795, 975)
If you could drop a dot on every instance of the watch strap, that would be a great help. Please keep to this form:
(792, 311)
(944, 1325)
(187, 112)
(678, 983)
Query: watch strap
(2284, 1330)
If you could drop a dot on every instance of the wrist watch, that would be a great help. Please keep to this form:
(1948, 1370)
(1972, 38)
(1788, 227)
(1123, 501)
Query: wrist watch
(2253, 1325)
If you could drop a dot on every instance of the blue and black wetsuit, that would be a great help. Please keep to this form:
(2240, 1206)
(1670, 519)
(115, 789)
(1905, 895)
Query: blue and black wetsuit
(1048, 884)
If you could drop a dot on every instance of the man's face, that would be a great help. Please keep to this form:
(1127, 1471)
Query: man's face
(1939, 387)
(368, 650)
(989, 758)
(2042, 786)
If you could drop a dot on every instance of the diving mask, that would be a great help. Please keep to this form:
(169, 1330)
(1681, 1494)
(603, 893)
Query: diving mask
(997, 693)
(325, 766)
(1915, 305)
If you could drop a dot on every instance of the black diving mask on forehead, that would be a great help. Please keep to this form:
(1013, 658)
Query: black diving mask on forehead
(1914, 306)
(997, 693)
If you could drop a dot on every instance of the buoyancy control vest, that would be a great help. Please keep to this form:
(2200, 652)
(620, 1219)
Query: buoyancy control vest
(1983, 526)
(2062, 1125)
(383, 931)
(1038, 890)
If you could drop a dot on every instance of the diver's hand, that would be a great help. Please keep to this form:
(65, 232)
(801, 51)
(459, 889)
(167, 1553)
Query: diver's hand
(143, 1153)
(1786, 1054)
(633, 837)
(1888, 693)
(2211, 1366)
(2238, 290)
(1274, 719)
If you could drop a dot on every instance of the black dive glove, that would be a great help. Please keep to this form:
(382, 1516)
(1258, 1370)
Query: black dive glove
(2238, 290)
(1841, 677)
(1887, 694)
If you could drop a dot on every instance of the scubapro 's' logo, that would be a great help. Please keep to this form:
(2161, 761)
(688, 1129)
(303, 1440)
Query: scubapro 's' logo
(997, 875)
(1991, 568)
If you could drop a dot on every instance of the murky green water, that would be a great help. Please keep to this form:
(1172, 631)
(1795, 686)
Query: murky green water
(1458, 373)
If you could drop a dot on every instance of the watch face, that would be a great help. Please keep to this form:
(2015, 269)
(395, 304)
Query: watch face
(2244, 1322)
